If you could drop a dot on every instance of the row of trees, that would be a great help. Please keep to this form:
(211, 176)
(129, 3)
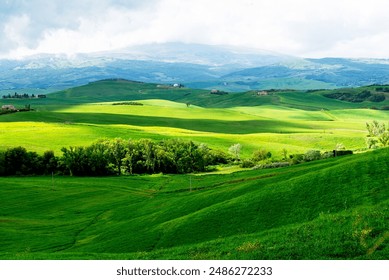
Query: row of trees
(262, 158)
(23, 96)
(117, 156)
(19, 161)
(365, 95)
(144, 156)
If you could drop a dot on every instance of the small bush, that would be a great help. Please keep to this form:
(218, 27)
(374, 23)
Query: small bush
(297, 158)
(247, 163)
(218, 157)
(260, 155)
(326, 155)
(312, 155)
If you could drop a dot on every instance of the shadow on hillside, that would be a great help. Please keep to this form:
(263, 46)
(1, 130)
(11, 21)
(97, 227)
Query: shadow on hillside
(203, 125)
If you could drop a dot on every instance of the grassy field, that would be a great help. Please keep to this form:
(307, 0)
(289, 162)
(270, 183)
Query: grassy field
(328, 209)
(296, 121)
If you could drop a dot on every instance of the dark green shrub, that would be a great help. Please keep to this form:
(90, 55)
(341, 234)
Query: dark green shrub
(297, 158)
(342, 153)
(260, 155)
(247, 163)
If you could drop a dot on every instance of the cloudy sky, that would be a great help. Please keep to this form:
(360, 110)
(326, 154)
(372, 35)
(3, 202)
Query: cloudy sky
(305, 28)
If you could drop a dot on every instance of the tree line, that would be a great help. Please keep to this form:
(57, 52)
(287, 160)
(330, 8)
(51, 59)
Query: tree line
(172, 156)
(23, 96)
(359, 97)
(117, 156)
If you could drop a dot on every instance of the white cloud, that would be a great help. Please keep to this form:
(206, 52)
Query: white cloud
(300, 27)
(113, 29)
(369, 46)
(16, 30)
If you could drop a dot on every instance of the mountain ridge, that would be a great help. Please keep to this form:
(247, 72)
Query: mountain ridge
(198, 66)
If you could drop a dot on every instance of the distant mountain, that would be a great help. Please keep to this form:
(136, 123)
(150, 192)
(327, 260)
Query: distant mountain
(61, 72)
(197, 66)
(314, 73)
(225, 57)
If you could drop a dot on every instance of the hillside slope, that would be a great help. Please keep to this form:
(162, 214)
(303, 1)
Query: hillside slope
(274, 120)
(118, 89)
(328, 209)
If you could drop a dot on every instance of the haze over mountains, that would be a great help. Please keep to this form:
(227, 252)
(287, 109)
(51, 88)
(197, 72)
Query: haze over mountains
(194, 65)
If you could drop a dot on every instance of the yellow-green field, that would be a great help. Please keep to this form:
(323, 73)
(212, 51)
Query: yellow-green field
(271, 127)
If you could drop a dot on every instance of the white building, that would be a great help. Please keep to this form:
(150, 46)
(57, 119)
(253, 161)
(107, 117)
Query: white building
(8, 108)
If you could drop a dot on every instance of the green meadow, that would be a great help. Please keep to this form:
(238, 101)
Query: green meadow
(335, 208)
(327, 209)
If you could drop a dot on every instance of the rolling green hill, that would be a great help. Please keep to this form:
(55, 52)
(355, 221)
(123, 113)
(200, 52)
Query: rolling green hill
(117, 89)
(294, 120)
(328, 209)
(112, 90)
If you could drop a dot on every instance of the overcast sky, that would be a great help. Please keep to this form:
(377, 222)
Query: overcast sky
(305, 28)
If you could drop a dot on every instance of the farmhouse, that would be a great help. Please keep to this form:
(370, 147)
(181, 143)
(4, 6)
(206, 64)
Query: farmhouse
(8, 108)
(218, 92)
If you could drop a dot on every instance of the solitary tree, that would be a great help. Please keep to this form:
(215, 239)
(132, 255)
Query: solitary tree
(378, 132)
(234, 150)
